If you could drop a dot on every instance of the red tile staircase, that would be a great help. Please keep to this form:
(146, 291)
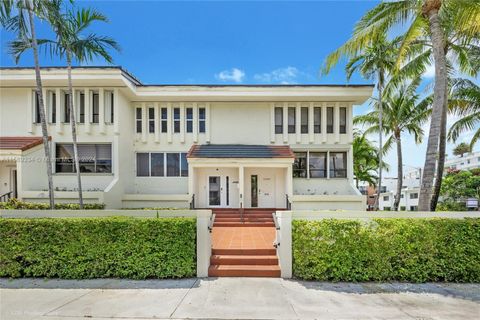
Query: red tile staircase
(243, 244)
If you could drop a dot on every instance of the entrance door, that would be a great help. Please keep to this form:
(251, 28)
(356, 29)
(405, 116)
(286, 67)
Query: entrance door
(254, 190)
(214, 191)
(266, 191)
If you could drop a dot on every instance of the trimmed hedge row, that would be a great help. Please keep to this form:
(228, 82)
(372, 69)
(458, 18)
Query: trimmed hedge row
(83, 248)
(15, 204)
(414, 250)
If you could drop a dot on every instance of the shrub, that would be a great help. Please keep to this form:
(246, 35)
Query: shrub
(450, 205)
(83, 248)
(414, 250)
(15, 204)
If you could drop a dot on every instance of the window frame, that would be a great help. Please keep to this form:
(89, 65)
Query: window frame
(138, 120)
(317, 120)
(183, 170)
(330, 120)
(278, 111)
(176, 120)
(95, 107)
(291, 127)
(164, 120)
(151, 120)
(345, 163)
(189, 121)
(96, 163)
(304, 120)
(202, 120)
(342, 121)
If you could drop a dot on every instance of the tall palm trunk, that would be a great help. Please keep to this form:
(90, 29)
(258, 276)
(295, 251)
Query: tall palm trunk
(73, 125)
(437, 38)
(398, 196)
(380, 137)
(441, 155)
(46, 142)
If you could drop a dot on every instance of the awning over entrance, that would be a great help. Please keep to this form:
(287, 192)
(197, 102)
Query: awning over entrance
(19, 143)
(239, 151)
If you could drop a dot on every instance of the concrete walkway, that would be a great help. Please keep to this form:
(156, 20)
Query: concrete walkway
(234, 298)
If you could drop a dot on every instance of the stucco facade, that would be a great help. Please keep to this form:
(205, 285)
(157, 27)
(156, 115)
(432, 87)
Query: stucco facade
(137, 139)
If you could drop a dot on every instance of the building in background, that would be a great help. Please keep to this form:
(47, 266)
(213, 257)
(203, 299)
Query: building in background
(467, 162)
(409, 194)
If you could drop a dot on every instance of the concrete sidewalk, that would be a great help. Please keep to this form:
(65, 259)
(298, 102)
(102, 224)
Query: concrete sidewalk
(234, 298)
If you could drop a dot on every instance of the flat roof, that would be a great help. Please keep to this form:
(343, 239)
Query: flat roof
(239, 151)
(137, 82)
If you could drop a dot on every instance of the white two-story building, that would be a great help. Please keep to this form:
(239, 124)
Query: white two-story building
(140, 145)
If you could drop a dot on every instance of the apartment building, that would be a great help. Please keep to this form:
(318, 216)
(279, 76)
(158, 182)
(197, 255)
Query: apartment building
(201, 146)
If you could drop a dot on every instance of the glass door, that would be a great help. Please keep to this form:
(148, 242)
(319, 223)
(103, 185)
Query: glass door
(254, 190)
(214, 191)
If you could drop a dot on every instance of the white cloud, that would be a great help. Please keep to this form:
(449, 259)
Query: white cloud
(232, 75)
(285, 75)
(430, 71)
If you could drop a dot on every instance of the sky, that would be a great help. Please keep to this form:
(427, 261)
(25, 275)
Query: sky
(227, 42)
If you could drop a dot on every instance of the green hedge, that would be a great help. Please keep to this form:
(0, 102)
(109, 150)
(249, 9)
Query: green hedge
(83, 248)
(415, 250)
(15, 204)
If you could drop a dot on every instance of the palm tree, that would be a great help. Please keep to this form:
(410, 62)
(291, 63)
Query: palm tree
(403, 112)
(461, 149)
(365, 160)
(374, 62)
(71, 44)
(466, 95)
(23, 23)
(420, 18)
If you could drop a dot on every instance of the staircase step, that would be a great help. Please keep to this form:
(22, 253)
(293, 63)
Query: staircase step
(248, 219)
(243, 271)
(243, 260)
(243, 224)
(245, 252)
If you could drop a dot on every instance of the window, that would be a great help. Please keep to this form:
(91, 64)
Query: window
(386, 198)
(53, 105)
(338, 164)
(317, 119)
(112, 109)
(413, 195)
(173, 165)
(402, 196)
(278, 120)
(343, 120)
(227, 186)
(143, 164)
(138, 120)
(304, 120)
(189, 120)
(159, 164)
(291, 120)
(93, 158)
(300, 165)
(383, 189)
(38, 119)
(318, 164)
(183, 165)
(82, 108)
(413, 208)
(164, 121)
(66, 109)
(109, 99)
(95, 108)
(151, 120)
(176, 120)
(201, 120)
(330, 120)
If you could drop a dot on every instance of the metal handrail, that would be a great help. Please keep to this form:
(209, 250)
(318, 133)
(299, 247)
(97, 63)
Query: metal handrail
(276, 242)
(210, 224)
(192, 202)
(6, 196)
(289, 204)
(277, 226)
